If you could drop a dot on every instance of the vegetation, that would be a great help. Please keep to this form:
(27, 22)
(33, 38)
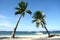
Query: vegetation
(39, 19)
(21, 11)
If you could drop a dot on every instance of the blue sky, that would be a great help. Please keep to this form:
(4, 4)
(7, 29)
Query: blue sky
(8, 19)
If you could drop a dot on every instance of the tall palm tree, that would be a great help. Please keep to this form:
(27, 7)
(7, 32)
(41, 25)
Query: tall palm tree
(21, 11)
(39, 18)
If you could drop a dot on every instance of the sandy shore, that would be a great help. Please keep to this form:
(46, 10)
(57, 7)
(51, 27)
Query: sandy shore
(30, 37)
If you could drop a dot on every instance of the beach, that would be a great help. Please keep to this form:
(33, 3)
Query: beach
(30, 37)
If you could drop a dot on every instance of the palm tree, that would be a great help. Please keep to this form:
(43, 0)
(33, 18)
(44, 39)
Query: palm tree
(39, 18)
(21, 11)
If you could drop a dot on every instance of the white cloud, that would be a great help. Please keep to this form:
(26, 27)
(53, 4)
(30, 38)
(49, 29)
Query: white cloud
(6, 24)
(5, 21)
(2, 16)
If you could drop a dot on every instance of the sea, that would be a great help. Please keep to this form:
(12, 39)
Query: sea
(27, 32)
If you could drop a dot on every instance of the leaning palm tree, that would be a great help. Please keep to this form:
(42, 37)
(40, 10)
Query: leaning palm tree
(21, 11)
(39, 18)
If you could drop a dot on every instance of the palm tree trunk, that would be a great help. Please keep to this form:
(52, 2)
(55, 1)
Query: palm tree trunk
(47, 32)
(13, 33)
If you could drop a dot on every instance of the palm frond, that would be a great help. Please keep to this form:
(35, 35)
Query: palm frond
(40, 18)
(26, 5)
(34, 16)
(44, 16)
(20, 10)
(38, 15)
(22, 4)
(17, 8)
(16, 13)
(34, 20)
(37, 24)
(28, 11)
(42, 25)
(44, 22)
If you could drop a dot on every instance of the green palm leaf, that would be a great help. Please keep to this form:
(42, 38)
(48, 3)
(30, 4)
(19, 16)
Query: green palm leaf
(42, 25)
(38, 15)
(22, 4)
(26, 5)
(34, 20)
(16, 13)
(39, 18)
(37, 24)
(17, 8)
(28, 11)
(20, 10)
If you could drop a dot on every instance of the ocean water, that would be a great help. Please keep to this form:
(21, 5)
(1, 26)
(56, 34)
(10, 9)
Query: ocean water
(27, 32)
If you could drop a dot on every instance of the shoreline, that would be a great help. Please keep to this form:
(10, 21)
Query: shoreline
(33, 36)
(29, 37)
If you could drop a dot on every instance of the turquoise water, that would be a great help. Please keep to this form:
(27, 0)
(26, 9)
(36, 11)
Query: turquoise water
(27, 33)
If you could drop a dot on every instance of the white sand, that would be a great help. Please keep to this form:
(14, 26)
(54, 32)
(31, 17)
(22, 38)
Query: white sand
(30, 37)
